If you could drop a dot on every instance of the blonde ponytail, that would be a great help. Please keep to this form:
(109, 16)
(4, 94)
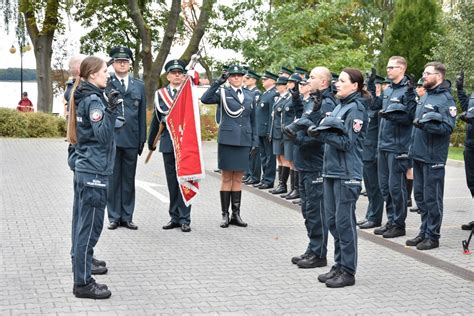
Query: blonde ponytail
(71, 124)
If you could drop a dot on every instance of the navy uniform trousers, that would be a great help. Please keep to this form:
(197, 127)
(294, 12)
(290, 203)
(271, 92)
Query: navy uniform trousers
(312, 208)
(268, 160)
(340, 197)
(469, 167)
(92, 193)
(392, 180)
(371, 182)
(179, 212)
(255, 167)
(428, 190)
(122, 182)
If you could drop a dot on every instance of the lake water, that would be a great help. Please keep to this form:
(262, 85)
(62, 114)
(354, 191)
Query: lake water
(10, 92)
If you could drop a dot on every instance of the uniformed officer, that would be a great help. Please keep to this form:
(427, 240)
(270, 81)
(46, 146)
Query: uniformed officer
(374, 214)
(91, 128)
(292, 110)
(130, 137)
(308, 160)
(282, 101)
(343, 132)
(180, 214)
(254, 173)
(398, 110)
(98, 266)
(237, 138)
(467, 105)
(301, 72)
(263, 114)
(434, 122)
(285, 72)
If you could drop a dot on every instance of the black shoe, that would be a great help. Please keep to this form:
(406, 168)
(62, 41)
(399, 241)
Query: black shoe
(394, 231)
(469, 226)
(283, 196)
(415, 209)
(341, 280)
(329, 275)
(98, 270)
(185, 228)
(298, 201)
(92, 290)
(369, 224)
(113, 225)
(245, 179)
(293, 195)
(361, 222)
(415, 241)
(171, 225)
(257, 185)
(265, 186)
(409, 203)
(129, 225)
(312, 261)
(217, 170)
(383, 229)
(295, 260)
(251, 182)
(100, 286)
(427, 244)
(280, 189)
(98, 262)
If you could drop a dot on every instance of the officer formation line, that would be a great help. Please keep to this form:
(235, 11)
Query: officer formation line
(325, 132)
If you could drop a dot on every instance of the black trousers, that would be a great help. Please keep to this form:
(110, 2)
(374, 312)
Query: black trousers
(268, 160)
(469, 167)
(371, 182)
(179, 212)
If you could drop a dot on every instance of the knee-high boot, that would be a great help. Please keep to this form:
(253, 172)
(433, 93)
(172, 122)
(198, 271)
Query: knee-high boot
(235, 219)
(285, 172)
(292, 184)
(225, 202)
(295, 194)
(279, 178)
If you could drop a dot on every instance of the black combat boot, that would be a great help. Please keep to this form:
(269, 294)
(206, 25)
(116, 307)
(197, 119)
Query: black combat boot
(285, 172)
(235, 197)
(225, 202)
(292, 184)
(279, 178)
(295, 194)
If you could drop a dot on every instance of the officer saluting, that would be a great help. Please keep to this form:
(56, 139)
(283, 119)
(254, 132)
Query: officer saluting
(130, 137)
(237, 138)
(180, 214)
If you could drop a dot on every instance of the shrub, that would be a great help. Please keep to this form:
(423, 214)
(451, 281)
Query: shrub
(19, 124)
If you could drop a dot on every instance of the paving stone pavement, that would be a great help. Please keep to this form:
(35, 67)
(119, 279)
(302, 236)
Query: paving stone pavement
(210, 270)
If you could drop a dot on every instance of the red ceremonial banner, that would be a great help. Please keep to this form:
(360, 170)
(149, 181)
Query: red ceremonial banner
(183, 123)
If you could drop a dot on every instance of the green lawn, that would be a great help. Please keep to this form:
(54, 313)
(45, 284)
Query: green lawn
(456, 153)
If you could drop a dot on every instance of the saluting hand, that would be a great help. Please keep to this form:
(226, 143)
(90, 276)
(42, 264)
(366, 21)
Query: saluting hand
(223, 78)
(460, 80)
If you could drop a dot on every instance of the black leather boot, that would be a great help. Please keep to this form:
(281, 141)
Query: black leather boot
(292, 184)
(279, 179)
(225, 202)
(285, 172)
(235, 197)
(295, 194)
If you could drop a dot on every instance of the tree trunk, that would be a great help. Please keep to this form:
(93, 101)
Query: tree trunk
(43, 53)
(42, 43)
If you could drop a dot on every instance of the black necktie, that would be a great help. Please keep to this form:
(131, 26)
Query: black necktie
(123, 84)
(239, 91)
(174, 93)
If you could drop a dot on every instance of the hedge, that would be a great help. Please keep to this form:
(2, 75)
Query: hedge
(28, 124)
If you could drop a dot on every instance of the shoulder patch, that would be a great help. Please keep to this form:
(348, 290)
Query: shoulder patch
(453, 111)
(357, 125)
(96, 115)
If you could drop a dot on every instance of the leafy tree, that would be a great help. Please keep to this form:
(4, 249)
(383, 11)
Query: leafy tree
(414, 31)
(454, 48)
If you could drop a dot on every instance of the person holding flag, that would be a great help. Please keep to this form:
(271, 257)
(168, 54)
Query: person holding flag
(237, 138)
(175, 123)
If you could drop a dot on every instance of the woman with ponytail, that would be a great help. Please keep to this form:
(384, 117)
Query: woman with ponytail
(91, 129)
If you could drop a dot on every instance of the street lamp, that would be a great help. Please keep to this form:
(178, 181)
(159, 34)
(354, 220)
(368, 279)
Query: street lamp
(23, 49)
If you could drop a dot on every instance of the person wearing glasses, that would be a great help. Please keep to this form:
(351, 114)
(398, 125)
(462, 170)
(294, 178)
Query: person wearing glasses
(397, 114)
(130, 137)
(435, 120)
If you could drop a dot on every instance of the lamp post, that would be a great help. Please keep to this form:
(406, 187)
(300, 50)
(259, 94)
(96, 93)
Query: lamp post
(23, 49)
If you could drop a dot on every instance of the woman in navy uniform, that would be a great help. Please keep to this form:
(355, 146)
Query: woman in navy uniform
(282, 101)
(237, 138)
(91, 128)
(342, 172)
